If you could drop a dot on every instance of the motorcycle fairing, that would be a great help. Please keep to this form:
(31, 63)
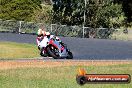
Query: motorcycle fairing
(62, 49)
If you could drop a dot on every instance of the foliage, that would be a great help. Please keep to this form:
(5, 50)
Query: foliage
(98, 12)
(43, 15)
(104, 14)
(68, 12)
(18, 9)
(127, 8)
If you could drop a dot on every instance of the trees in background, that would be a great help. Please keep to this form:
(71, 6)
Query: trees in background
(43, 15)
(105, 13)
(18, 9)
(69, 12)
(99, 13)
(126, 7)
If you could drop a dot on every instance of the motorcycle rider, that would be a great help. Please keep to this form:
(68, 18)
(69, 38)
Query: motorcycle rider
(41, 34)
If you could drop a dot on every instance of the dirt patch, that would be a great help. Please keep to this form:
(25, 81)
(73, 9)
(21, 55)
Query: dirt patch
(42, 63)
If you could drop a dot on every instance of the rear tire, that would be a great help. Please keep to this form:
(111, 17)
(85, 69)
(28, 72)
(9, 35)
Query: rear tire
(52, 54)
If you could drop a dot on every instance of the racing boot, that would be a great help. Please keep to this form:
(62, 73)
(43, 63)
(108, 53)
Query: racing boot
(42, 52)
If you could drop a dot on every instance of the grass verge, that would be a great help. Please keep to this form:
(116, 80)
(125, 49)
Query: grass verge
(12, 50)
(119, 35)
(59, 77)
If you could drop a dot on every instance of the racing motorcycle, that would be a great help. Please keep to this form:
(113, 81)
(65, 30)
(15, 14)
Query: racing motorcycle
(56, 49)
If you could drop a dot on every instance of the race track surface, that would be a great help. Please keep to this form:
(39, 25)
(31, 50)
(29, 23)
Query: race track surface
(83, 48)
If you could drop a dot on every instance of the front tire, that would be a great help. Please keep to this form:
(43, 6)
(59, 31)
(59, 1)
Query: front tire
(70, 55)
(52, 53)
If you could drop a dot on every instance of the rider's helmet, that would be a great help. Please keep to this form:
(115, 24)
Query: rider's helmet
(41, 32)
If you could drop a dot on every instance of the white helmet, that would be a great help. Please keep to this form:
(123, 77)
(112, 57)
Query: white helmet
(39, 32)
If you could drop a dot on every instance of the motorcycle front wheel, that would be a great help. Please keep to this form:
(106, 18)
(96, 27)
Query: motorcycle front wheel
(70, 55)
(52, 53)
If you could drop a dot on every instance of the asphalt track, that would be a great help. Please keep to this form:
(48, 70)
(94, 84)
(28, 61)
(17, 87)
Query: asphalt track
(83, 48)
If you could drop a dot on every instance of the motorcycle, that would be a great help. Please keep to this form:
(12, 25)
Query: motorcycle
(56, 49)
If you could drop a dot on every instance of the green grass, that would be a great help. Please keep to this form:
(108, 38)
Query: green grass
(58, 77)
(122, 36)
(119, 35)
(12, 50)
